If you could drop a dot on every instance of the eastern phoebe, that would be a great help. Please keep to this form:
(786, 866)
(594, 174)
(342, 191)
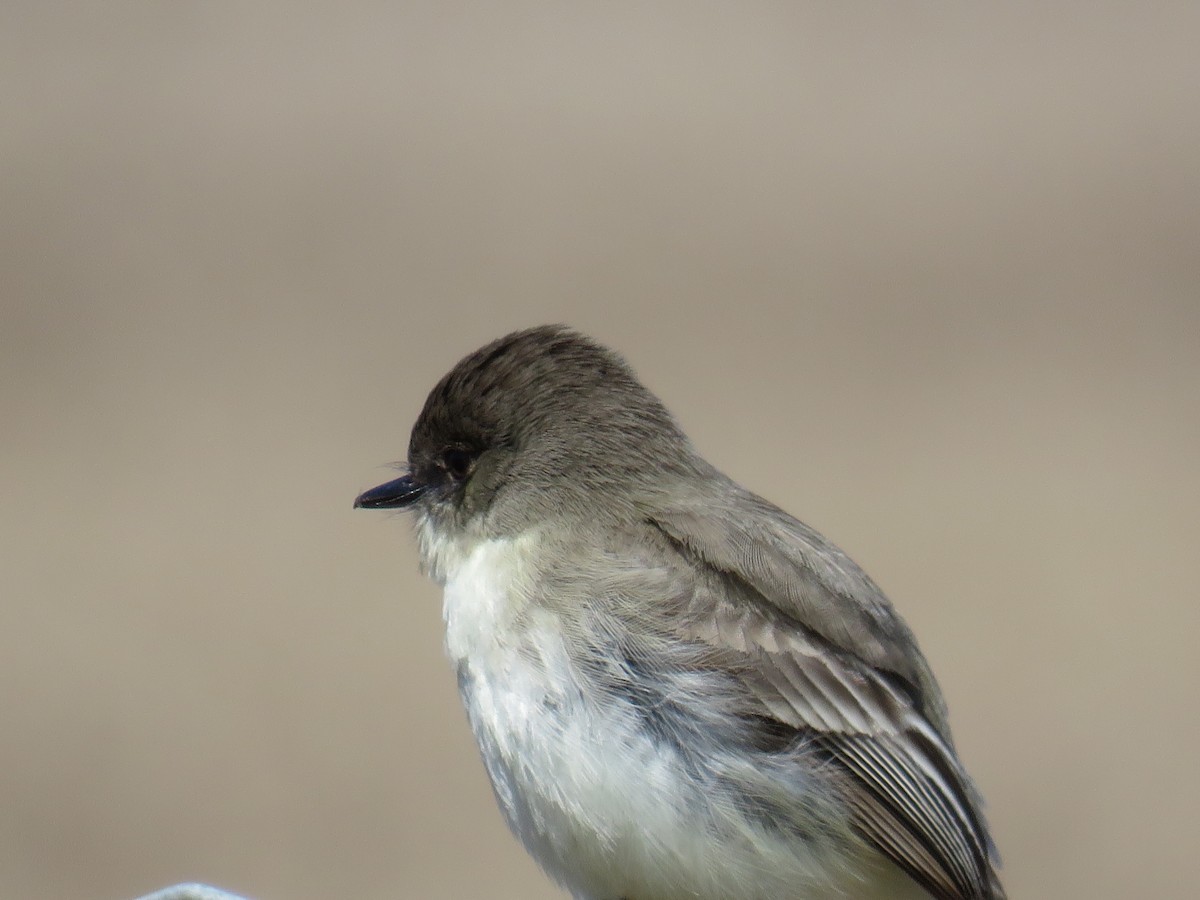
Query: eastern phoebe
(679, 690)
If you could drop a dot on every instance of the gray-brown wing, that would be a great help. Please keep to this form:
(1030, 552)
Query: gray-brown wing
(881, 721)
(806, 578)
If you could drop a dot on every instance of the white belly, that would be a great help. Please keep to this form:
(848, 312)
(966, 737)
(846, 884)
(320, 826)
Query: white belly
(606, 809)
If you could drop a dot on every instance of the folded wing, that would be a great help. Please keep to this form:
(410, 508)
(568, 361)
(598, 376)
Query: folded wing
(828, 657)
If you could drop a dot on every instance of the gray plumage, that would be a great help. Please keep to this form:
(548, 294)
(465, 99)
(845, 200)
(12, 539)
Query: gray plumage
(679, 690)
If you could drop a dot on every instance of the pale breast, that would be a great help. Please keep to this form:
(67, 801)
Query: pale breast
(608, 809)
(560, 764)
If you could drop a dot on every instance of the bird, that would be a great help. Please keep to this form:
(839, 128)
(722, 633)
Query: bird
(678, 689)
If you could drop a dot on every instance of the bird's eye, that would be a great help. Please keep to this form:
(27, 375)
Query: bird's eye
(457, 462)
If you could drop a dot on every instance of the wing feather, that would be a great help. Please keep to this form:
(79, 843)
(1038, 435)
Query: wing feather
(855, 684)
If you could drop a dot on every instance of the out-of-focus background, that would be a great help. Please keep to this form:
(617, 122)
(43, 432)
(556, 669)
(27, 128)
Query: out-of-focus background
(926, 275)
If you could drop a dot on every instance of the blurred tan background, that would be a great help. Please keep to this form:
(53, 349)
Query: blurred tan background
(926, 275)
